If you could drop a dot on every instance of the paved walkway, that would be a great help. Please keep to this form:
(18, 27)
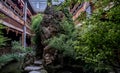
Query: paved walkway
(37, 67)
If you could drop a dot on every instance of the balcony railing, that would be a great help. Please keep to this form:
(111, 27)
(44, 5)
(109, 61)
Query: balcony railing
(10, 13)
(76, 8)
(12, 6)
(13, 11)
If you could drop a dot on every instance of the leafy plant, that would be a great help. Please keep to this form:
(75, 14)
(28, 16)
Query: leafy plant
(64, 40)
(36, 27)
(4, 59)
(98, 40)
(17, 47)
(2, 38)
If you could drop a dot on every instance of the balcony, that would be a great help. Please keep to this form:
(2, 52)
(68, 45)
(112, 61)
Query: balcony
(13, 7)
(10, 9)
(76, 8)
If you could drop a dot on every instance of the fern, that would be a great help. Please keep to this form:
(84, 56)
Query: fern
(2, 38)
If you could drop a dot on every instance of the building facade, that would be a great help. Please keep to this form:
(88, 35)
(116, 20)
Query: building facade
(16, 20)
(77, 9)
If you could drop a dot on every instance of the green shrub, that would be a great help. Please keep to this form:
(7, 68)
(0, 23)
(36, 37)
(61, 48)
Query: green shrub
(64, 39)
(99, 39)
(2, 38)
(4, 59)
(17, 47)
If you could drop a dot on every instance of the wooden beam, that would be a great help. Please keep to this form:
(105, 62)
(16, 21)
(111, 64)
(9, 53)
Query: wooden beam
(11, 14)
(16, 33)
(22, 39)
(8, 29)
(13, 27)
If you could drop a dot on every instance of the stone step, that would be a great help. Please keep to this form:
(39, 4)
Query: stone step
(34, 72)
(38, 62)
(43, 71)
(33, 68)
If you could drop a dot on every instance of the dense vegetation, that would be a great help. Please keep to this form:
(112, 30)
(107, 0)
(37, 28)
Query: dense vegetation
(98, 41)
(36, 27)
(2, 39)
(96, 44)
(17, 53)
(63, 41)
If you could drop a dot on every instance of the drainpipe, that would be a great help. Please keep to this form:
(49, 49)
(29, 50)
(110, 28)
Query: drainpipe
(88, 10)
(25, 19)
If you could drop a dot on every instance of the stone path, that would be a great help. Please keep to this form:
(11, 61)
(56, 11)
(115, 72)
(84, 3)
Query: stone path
(34, 72)
(37, 67)
(39, 62)
(32, 68)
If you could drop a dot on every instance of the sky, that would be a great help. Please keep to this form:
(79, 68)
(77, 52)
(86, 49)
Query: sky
(40, 5)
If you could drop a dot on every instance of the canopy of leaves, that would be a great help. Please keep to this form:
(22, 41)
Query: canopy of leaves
(98, 41)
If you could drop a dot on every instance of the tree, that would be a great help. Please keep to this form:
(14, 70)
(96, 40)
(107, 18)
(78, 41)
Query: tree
(63, 41)
(98, 41)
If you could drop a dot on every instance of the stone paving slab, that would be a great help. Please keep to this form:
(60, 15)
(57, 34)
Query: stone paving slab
(39, 62)
(34, 72)
(32, 68)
